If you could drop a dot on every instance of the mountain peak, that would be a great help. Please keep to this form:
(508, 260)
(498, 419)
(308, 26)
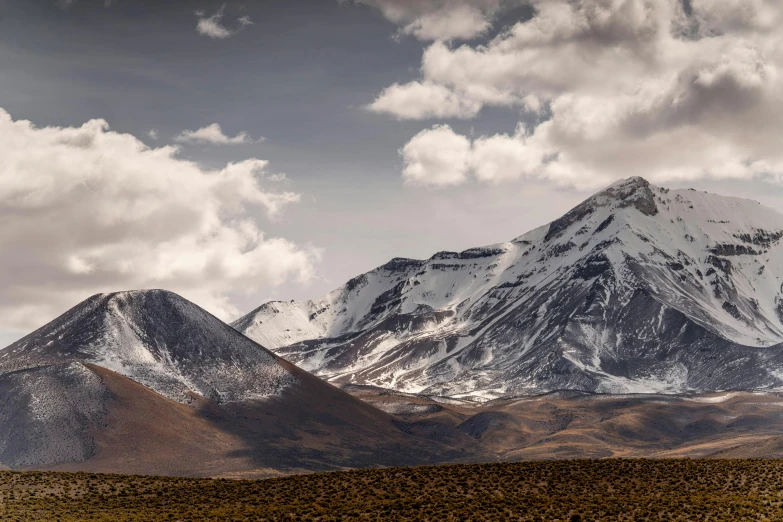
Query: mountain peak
(631, 182)
(634, 192)
(129, 294)
(638, 288)
(158, 339)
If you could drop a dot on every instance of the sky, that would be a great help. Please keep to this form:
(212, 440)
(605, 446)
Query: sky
(236, 152)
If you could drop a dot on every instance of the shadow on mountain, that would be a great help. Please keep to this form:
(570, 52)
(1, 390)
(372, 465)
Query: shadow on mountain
(311, 426)
(316, 427)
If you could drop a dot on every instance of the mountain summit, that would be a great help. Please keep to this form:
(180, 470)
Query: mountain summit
(637, 289)
(157, 339)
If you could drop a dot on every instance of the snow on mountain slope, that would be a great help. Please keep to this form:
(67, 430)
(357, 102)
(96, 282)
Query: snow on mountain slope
(637, 289)
(157, 339)
(48, 413)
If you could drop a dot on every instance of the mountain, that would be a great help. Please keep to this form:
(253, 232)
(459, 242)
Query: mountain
(639, 289)
(147, 382)
(157, 339)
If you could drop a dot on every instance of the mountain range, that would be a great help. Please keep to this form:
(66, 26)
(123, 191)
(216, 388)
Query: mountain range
(639, 289)
(644, 322)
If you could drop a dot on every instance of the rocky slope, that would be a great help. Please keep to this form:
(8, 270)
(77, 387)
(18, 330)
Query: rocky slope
(637, 289)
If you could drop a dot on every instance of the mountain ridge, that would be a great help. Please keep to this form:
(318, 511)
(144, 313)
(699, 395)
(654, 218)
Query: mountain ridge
(576, 304)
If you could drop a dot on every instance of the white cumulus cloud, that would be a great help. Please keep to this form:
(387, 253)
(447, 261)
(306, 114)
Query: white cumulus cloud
(440, 157)
(423, 100)
(612, 88)
(86, 210)
(437, 156)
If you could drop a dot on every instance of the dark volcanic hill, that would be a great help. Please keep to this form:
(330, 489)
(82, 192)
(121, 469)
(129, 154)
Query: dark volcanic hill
(639, 289)
(147, 382)
(158, 339)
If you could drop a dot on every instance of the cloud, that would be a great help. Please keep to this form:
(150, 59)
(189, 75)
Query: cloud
(212, 26)
(503, 157)
(436, 157)
(609, 88)
(439, 19)
(213, 134)
(423, 100)
(441, 157)
(153, 134)
(86, 210)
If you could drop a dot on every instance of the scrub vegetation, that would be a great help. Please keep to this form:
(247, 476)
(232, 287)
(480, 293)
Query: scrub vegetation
(577, 490)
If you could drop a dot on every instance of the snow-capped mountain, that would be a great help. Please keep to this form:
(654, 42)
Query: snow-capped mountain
(59, 402)
(157, 339)
(637, 289)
